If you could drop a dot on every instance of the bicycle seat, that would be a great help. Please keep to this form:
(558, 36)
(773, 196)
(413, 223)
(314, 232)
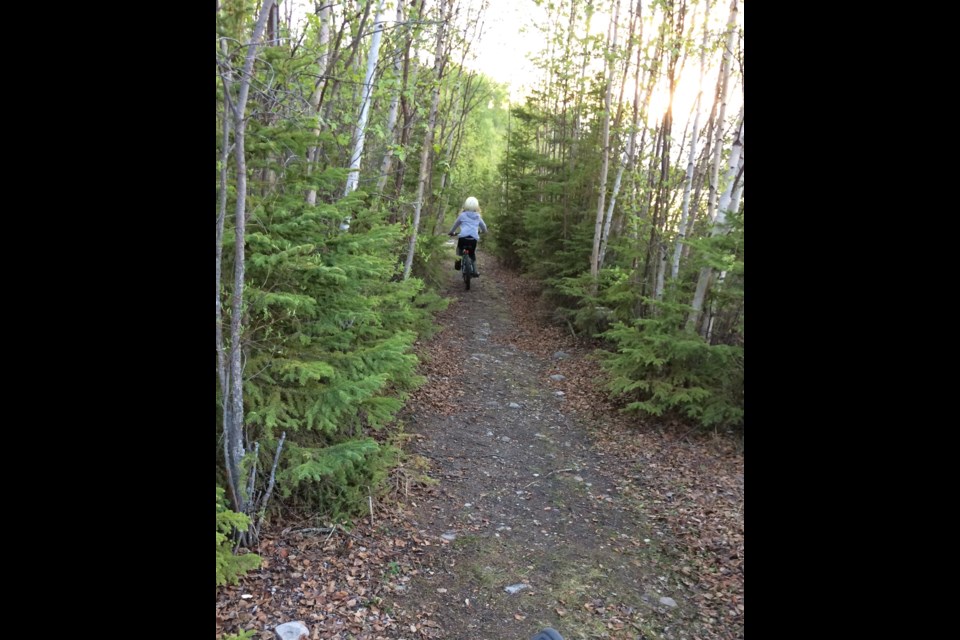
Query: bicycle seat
(547, 634)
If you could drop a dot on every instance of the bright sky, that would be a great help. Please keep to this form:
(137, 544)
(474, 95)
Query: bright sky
(504, 48)
(511, 36)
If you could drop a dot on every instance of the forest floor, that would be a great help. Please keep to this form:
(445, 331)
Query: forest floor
(526, 499)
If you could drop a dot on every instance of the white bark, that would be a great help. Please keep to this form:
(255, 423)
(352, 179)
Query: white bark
(736, 156)
(734, 205)
(574, 138)
(353, 178)
(455, 134)
(438, 65)
(448, 153)
(608, 219)
(631, 142)
(605, 154)
(234, 419)
(222, 373)
(317, 91)
(738, 190)
(685, 211)
(391, 116)
(221, 219)
(719, 224)
(661, 271)
(724, 87)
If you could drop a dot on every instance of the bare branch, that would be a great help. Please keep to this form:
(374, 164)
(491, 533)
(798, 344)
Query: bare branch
(548, 475)
(262, 507)
(253, 472)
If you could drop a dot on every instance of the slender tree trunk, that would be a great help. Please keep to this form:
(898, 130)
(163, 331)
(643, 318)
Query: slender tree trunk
(391, 116)
(732, 205)
(691, 163)
(221, 219)
(472, 100)
(664, 187)
(322, 62)
(234, 429)
(408, 112)
(628, 154)
(353, 178)
(331, 104)
(661, 270)
(574, 138)
(222, 373)
(701, 175)
(445, 138)
(273, 27)
(605, 153)
(724, 82)
(454, 137)
(428, 138)
(719, 226)
(644, 195)
(565, 142)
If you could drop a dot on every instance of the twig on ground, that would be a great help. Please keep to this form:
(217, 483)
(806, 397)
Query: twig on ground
(550, 474)
(313, 530)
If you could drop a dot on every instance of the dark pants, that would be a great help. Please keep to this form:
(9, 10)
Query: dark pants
(469, 244)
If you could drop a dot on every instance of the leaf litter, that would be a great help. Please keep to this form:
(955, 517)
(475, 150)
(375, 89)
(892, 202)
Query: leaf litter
(619, 527)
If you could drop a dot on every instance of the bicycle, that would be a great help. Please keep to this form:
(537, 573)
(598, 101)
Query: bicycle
(467, 262)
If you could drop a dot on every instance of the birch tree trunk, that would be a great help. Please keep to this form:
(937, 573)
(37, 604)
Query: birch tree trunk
(734, 205)
(470, 101)
(700, 179)
(391, 116)
(577, 113)
(691, 163)
(565, 148)
(719, 226)
(455, 134)
(428, 138)
(724, 86)
(233, 429)
(655, 255)
(353, 178)
(621, 222)
(222, 374)
(324, 17)
(331, 104)
(406, 109)
(627, 159)
(605, 153)
(661, 271)
(233, 421)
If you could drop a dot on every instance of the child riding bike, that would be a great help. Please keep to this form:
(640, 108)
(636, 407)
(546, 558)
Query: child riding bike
(471, 224)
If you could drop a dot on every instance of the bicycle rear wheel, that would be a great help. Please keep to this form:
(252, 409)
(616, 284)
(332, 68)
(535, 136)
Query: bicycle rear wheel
(467, 270)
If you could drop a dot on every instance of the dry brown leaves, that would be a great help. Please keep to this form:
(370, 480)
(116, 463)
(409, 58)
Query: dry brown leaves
(690, 487)
(332, 579)
(439, 393)
(690, 484)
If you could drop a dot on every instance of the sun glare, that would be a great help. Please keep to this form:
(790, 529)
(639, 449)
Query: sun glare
(510, 37)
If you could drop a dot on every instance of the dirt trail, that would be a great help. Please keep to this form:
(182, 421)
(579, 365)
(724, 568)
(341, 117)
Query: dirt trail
(524, 499)
(604, 526)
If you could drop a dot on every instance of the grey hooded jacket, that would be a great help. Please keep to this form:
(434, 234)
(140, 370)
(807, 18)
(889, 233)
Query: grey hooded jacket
(470, 224)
